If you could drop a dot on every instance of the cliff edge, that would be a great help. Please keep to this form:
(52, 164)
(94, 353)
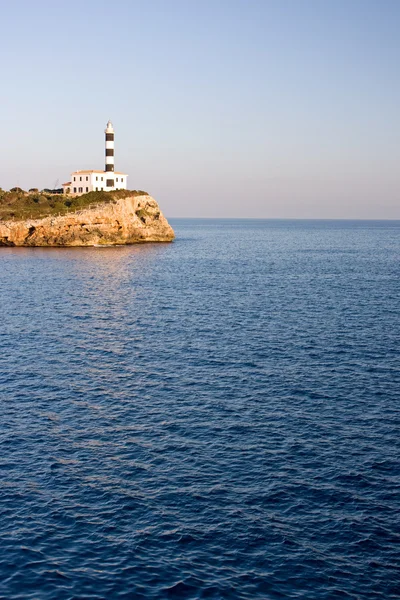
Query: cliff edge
(128, 220)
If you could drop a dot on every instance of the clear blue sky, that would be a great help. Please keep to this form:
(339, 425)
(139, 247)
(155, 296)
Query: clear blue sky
(257, 108)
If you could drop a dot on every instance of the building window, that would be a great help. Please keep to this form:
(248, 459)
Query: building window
(80, 190)
(74, 179)
(80, 178)
(116, 179)
(97, 178)
(87, 189)
(87, 178)
(110, 183)
(97, 189)
(74, 189)
(102, 179)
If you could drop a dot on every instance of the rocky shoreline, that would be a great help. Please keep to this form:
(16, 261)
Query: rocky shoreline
(130, 220)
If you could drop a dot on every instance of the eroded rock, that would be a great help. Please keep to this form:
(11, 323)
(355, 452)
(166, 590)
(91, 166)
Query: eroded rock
(125, 221)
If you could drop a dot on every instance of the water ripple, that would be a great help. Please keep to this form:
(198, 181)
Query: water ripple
(216, 418)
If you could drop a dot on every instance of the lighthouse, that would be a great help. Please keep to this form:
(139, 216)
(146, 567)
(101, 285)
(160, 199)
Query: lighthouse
(109, 131)
(109, 180)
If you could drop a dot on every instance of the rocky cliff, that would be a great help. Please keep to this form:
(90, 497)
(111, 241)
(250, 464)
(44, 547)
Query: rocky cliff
(127, 220)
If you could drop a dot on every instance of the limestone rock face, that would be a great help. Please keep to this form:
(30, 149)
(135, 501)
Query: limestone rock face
(124, 221)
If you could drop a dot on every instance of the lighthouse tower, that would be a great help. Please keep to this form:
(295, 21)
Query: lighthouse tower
(109, 147)
(90, 180)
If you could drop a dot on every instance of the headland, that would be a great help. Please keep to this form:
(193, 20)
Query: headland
(97, 218)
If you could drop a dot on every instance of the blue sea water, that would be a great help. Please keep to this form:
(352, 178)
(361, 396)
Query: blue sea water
(213, 418)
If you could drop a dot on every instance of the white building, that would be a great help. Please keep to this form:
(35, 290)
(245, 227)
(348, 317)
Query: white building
(95, 181)
(108, 180)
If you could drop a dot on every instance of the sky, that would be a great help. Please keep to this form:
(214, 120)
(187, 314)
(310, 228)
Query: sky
(221, 108)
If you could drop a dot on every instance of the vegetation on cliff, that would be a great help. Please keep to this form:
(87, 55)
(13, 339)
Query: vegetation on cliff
(17, 205)
(110, 219)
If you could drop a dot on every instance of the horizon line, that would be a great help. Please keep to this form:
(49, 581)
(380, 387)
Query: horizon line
(289, 218)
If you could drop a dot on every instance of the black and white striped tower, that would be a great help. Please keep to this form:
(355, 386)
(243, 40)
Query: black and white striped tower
(109, 147)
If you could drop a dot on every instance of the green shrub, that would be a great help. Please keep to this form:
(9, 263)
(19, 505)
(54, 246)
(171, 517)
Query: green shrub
(20, 205)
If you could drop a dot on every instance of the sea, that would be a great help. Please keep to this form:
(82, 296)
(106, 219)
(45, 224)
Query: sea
(213, 418)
